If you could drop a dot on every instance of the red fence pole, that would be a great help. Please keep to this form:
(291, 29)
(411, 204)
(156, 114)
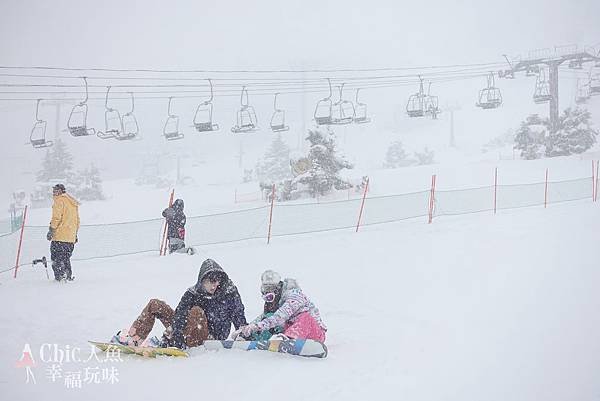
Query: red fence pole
(495, 188)
(362, 205)
(593, 182)
(596, 193)
(271, 213)
(546, 190)
(431, 199)
(163, 242)
(20, 241)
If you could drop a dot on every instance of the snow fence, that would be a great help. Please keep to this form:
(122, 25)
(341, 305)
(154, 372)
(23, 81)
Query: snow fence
(105, 240)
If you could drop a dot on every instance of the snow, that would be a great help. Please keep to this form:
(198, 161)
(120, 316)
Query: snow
(469, 307)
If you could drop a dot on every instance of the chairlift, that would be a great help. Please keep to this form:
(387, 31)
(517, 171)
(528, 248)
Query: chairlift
(77, 123)
(343, 110)
(37, 137)
(541, 93)
(246, 116)
(582, 93)
(431, 104)
(171, 128)
(508, 74)
(129, 122)
(490, 97)
(278, 118)
(113, 123)
(532, 70)
(360, 111)
(416, 102)
(323, 110)
(203, 116)
(576, 64)
(594, 84)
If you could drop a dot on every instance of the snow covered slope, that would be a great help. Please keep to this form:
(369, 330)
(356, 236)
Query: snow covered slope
(475, 307)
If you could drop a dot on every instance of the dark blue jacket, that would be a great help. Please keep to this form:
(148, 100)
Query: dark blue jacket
(175, 220)
(222, 308)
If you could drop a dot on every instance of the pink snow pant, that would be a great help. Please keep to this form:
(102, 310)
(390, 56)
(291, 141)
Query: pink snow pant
(305, 326)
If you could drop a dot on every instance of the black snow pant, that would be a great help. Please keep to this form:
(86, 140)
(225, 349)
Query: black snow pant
(175, 244)
(60, 254)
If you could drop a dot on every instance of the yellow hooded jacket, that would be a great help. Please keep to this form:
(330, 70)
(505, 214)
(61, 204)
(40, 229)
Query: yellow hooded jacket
(65, 218)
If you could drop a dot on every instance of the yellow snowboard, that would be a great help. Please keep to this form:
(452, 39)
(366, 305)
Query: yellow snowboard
(149, 352)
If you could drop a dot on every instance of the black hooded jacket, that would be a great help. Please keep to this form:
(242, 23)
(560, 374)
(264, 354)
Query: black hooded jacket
(222, 308)
(175, 220)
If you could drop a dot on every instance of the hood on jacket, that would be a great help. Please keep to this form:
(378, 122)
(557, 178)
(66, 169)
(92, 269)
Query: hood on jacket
(290, 284)
(210, 266)
(178, 204)
(69, 199)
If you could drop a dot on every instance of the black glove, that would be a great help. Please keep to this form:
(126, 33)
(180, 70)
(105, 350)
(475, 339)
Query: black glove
(50, 234)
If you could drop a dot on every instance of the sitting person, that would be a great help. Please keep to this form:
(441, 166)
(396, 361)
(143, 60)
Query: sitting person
(294, 311)
(270, 307)
(205, 311)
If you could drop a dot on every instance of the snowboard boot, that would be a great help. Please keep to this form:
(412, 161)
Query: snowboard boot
(122, 337)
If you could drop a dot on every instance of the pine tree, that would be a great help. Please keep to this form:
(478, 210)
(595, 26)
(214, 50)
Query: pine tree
(275, 165)
(57, 163)
(573, 134)
(530, 137)
(91, 186)
(325, 165)
(395, 156)
(425, 157)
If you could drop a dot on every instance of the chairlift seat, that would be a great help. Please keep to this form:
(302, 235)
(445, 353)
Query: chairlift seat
(539, 99)
(279, 128)
(325, 120)
(243, 128)
(206, 126)
(41, 143)
(362, 120)
(416, 105)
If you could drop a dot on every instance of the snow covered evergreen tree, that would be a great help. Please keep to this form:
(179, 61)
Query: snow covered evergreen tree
(531, 136)
(90, 185)
(323, 174)
(425, 157)
(275, 165)
(396, 156)
(573, 135)
(57, 163)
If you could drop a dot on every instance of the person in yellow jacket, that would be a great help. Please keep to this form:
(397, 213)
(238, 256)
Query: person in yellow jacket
(63, 232)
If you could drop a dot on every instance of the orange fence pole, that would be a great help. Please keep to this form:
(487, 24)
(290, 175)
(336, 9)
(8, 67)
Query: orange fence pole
(163, 242)
(432, 199)
(593, 181)
(362, 204)
(20, 241)
(271, 213)
(495, 188)
(596, 193)
(546, 190)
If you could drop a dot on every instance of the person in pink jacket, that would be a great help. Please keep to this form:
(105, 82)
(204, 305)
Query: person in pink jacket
(298, 316)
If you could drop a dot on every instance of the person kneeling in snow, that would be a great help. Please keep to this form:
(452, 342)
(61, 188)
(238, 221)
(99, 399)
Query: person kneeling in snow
(205, 311)
(295, 312)
(176, 228)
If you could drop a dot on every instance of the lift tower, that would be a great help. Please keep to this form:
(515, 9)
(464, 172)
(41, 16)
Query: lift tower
(552, 59)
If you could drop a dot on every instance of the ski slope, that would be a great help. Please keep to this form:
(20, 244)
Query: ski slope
(473, 307)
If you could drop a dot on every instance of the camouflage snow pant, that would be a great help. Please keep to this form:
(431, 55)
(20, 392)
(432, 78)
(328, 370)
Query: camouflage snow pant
(194, 333)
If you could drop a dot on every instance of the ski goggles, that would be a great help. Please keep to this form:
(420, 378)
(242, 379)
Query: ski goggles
(269, 297)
